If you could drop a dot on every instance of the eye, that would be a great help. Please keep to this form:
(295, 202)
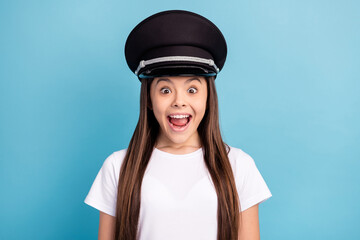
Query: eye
(166, 89)
(194, 90)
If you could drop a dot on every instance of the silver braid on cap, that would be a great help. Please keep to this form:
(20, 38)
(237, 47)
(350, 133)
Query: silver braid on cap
(143, 63)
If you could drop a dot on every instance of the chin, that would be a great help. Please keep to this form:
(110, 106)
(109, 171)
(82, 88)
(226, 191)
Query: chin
(177, 138)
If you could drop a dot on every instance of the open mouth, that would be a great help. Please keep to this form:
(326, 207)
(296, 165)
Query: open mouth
(179, 123)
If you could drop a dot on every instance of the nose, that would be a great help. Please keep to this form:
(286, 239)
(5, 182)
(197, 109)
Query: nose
(179, 100)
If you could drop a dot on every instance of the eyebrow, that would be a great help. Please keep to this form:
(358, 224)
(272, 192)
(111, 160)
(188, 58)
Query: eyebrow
(168, 80)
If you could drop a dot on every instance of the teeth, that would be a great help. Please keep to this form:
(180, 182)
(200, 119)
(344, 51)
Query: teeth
(179, 116)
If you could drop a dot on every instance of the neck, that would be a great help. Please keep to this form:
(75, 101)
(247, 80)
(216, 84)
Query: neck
(192, 143)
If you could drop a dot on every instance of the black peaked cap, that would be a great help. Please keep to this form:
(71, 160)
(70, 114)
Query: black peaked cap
(175, 42)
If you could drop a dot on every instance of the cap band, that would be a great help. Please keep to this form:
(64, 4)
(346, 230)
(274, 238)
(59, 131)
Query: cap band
(143, 63)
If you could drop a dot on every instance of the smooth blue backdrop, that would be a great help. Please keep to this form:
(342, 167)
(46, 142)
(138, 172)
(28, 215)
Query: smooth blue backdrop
(288, 96)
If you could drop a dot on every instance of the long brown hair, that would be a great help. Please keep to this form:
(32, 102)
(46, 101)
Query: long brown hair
(139, 152)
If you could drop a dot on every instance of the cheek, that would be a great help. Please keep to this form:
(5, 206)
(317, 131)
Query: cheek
(158, 109)
(200, 109)
(202, 104)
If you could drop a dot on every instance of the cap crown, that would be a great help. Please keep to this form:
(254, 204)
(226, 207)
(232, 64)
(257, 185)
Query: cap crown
(167, 38)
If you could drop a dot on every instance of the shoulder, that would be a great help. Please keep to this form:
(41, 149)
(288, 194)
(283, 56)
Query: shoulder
(238, 155)
(114, 160)
(112, 164)
(239, 159)
(117, 157)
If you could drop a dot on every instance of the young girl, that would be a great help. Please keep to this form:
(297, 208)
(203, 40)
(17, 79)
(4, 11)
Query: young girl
(177, 179)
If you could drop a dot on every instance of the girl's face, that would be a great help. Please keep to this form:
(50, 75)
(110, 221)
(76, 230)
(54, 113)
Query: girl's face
(179, 104)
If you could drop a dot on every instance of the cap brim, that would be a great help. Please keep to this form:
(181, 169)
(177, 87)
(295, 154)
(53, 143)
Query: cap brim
(177, 69)
(180, 70)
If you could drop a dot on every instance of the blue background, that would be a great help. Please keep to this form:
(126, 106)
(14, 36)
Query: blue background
(288, 95)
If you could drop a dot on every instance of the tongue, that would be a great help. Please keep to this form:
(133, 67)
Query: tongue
(179, 121)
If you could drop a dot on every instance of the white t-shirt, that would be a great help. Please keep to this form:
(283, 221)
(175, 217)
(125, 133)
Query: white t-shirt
(178, 198)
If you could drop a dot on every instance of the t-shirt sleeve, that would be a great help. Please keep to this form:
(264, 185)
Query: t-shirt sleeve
(251, 186)
(103, 192)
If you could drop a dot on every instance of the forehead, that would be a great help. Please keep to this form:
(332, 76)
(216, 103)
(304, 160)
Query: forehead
(179, 80)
